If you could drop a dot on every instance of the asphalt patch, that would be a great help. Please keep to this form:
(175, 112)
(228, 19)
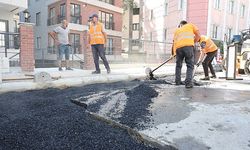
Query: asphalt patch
(46, 119)
(138, 102)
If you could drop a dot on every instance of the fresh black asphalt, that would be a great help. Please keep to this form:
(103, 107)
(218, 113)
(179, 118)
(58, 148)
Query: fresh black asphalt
(46, 119)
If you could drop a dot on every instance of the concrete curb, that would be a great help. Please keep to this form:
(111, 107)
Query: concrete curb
(74, 81)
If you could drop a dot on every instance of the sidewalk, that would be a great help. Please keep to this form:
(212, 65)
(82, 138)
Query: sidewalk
(119, 72)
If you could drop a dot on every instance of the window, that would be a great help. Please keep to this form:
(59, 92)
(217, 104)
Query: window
(215, 31)
(166, 8)
(75, 13)
(107, 19)
(217, 4)
(229, 33)
(135, 26)
(52, 19)
(242, 10)
(151, 14)
(62, 11)
(181, 4)
(108, 1)
(38, 42)
(136, 11)
(75, 40)
(38, 19)
(231, 7)
(165, 35)
(51, 45)
(109, 47)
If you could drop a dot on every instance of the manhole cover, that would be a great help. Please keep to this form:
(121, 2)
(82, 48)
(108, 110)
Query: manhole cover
(42, 77)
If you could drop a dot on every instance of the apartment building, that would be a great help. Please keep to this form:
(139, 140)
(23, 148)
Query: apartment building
(47, 14)
(9, 38)
(219, 19)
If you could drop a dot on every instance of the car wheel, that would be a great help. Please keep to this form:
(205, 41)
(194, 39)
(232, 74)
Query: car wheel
(247, 67)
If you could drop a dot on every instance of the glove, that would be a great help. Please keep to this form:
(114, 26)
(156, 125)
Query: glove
(172, 56)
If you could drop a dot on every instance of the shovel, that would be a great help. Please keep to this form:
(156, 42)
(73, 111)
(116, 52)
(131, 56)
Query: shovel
(149, 72)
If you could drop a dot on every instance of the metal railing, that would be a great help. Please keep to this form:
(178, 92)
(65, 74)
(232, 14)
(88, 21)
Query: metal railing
(117, 50)
(10, 47)
(55, 20)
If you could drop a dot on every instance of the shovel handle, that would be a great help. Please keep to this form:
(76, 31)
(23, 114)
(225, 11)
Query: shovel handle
(163, 63)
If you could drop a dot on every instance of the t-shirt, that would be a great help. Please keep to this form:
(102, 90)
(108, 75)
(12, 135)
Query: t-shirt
(62, 35)
(207, 45)
(184, 36)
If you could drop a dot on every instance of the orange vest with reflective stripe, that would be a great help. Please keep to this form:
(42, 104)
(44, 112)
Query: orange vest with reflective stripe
(210, 46)
(96, 35)
(184, 36)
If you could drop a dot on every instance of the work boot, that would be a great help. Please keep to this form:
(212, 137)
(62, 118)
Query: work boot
(190, 85)
(60, 69)
(68, 68)
(206, 78)
(96, 72)
(213, 76)
(180, 83)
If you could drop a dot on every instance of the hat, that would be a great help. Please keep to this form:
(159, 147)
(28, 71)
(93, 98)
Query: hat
(94, 15)
(183, 22)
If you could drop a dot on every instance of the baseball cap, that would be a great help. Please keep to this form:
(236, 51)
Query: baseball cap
(94, 15)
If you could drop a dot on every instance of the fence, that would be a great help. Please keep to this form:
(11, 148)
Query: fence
(117, 49)
(10, 47)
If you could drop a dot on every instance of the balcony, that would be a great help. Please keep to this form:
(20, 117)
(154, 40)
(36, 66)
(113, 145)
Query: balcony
(76, 19)
(14, 6)
(55, 20)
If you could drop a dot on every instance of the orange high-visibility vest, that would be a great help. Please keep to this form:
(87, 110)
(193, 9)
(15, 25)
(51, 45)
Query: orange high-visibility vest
(96, 35)
(210, 46)
(184, 36)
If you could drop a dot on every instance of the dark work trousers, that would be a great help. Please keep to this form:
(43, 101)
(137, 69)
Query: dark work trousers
(186, 53)
(208, 63)
(98, 50)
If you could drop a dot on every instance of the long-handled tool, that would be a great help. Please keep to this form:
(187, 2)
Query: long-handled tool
(149, 72)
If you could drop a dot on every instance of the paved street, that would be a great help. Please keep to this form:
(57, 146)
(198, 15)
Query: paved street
(214, 115)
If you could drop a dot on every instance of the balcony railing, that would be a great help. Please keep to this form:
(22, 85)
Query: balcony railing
(76, 19)
(55, 20)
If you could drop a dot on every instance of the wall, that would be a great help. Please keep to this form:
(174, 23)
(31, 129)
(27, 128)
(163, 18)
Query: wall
(197, 13)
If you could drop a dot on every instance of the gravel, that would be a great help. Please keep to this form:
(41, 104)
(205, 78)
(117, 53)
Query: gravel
(45, 119)
(138, 102)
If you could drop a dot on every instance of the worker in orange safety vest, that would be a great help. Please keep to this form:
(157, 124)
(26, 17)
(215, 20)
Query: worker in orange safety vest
(97, 39)
(208, 52)
(183, 47)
